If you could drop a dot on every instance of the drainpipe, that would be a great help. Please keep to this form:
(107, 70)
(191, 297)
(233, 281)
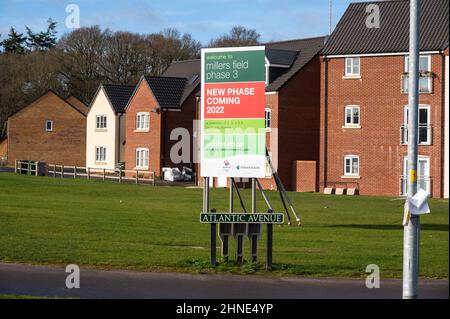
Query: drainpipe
(163, 139)
(443, 117)
(325, 126)
(120, 139)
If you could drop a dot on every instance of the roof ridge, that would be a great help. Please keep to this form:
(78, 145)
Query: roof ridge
(300, 39)
(122, 85)
(164, 77)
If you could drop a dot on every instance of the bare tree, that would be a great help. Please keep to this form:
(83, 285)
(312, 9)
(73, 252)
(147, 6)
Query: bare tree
(238, 36)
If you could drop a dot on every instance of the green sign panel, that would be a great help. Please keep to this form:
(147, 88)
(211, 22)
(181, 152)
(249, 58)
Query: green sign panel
(234, 66)
(222, 218)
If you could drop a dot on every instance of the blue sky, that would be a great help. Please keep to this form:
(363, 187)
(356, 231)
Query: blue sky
(204, 19)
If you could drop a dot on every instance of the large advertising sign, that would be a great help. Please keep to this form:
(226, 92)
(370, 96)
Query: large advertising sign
(233, 138)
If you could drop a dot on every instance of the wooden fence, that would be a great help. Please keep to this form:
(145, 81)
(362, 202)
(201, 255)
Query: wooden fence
(65, 171)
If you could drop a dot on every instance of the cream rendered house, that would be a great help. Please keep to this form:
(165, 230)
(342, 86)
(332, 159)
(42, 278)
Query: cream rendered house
(105, 144)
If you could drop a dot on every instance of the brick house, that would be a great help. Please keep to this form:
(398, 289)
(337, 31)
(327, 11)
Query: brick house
(364, 101)
(292, 113)
(49, 130)
(157, 105)
(3, 150)
(105, 138)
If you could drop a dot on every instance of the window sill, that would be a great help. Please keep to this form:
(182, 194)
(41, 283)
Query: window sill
(351, 77)
(145, 168)
(351, 126)
(101, 163)
(142, 131)
(101, 130)
(351, 177)
(268, 130)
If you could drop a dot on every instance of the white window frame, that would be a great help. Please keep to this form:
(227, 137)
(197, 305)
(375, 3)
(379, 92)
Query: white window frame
(352, 124)
(99, 123)
(140, 163)
(141, 123)
(428, 79)
(99, 157)
(51, 126)
(351, 158)
(420, 174)
(405, 121)
(352, 66)
(268, 119)
(428, 56)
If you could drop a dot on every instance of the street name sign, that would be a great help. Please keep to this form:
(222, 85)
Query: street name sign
(233, 137)
(218, 218)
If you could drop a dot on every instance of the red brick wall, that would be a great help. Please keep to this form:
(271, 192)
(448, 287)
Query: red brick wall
(304, 176)
(179, 119)
(299, 120)
(28, 139)
(143, 101)
(377, 142)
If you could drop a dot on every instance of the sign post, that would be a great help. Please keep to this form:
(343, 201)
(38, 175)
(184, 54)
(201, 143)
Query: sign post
(233, 137)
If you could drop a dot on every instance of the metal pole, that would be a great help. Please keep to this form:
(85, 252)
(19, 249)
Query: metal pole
(206, 208)
(412, 229)
(254, 238)
(269, 244)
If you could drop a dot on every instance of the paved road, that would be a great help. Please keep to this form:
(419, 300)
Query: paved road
(50, 281)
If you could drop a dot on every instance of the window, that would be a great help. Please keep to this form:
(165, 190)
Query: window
(352, 67)
(352, 116)
(143, 121)
(268, 119)
(101, 122)
(423, 175)
(424, 63)
(100, 154)
(351, 165)
(49, 126)
(425, 132)
(425, 81)
(142, 158)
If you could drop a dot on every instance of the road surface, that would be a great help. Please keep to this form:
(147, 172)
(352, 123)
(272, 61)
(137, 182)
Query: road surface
(50, 281)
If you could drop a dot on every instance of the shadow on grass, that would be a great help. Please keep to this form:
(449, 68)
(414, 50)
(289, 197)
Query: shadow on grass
(434, 227)
(203, 266)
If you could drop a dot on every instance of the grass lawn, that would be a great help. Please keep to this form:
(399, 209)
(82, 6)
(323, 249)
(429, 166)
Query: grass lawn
(107, 225)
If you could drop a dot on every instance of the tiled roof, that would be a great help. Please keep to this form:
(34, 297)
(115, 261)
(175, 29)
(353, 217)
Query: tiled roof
(118, 95)
(80, 106)
(295, 53)
(168, 91)
(190, 70)
(306, 50)
(281, 57)
(352, 36)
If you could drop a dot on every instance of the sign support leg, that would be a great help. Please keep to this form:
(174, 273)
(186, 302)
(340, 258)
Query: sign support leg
(254, 238)
(213, 226)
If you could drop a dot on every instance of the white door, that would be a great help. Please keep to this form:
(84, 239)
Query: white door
(423, 174)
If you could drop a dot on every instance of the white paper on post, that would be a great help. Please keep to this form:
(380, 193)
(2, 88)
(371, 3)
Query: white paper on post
(418, 205)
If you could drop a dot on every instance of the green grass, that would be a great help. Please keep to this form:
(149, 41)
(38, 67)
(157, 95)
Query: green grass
(107, 225)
